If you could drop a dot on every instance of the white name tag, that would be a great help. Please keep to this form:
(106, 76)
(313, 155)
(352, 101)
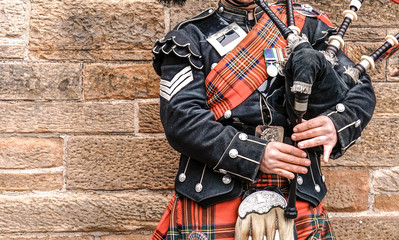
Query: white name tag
(227, 39)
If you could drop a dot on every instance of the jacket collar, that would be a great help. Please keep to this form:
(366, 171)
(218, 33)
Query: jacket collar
(236, 14)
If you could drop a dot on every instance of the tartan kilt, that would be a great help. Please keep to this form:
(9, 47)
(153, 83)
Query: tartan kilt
(185, 219)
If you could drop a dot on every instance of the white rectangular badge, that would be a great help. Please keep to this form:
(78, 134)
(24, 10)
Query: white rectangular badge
(227, 39)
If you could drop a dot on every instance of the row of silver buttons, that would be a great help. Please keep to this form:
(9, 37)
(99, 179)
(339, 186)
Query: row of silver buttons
(226, 179)
(316, 186)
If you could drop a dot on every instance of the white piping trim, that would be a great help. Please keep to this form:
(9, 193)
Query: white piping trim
(203, 173)
(238, 175)
(253, 141)
(346, 126)
(331, 113)
(248, 159)
(350, 144)
(225, 151)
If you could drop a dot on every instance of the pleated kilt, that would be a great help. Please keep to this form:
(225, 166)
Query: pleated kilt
(185, 219)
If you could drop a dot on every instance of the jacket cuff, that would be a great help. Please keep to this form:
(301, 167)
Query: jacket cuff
(242, 157)
(348, 128)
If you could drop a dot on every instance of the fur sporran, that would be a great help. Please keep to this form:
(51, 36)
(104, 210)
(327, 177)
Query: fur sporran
(260, 214)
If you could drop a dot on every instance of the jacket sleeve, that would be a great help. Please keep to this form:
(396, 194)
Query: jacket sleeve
(351, 115)
(190, 128)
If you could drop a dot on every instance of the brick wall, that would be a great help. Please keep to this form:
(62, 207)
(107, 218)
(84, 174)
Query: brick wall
(82, 150)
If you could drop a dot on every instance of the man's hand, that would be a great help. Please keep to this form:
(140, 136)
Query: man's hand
(319, 131)
(284, 160)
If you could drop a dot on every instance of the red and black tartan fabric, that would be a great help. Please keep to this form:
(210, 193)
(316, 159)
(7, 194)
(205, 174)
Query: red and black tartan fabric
(238, 74)
(185, 219)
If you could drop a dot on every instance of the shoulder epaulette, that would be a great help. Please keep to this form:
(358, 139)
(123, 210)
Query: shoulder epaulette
(179, 44)
(307, 10)
(207, 13)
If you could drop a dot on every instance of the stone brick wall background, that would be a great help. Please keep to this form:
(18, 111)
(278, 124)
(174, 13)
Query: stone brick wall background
(82, 150)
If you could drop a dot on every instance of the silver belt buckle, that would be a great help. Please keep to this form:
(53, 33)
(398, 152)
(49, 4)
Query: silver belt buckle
(261, 202)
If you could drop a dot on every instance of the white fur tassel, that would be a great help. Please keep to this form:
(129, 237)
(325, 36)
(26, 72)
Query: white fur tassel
(285, 226)
(259, 225)
(243, 226)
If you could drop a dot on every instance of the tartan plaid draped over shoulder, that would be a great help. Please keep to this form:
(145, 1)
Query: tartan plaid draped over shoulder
(243, 69)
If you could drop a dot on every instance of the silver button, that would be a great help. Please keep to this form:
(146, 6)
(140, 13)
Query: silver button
(182, 177)
(221, 9)
(226, 179)
(233, 153)
(243, 136)
(317, 188)
(340, 107)
(299, 180)
(357, 124)
(198, 187)
(222, 171)
(210, 10)
(307, 7)
(213, 65)
(227, 114)
(358, 139)
(323, 178)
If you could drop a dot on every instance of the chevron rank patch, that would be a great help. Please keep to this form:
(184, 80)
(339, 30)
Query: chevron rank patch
(168, 89)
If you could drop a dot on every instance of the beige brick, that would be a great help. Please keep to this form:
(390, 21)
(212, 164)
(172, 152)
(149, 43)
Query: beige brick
(347, 190)
(386, 203)
(30, 182)
(365, 34)
(120, 162)
(105, 81)
(16, 51)
(386, 180)
(356, 50)
(95, 29)
(387, 97)
(66, 117)
(376, 148)
(366, 228)
(39, 81)
(149, 119)
(29, 152)
(13, 20)
(81, 212)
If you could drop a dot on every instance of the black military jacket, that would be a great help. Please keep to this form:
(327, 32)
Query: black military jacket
(219, 156)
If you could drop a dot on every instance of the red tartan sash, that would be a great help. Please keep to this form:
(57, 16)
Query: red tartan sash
(243, 69)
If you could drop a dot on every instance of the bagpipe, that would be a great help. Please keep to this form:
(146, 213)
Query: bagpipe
(300, 85)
